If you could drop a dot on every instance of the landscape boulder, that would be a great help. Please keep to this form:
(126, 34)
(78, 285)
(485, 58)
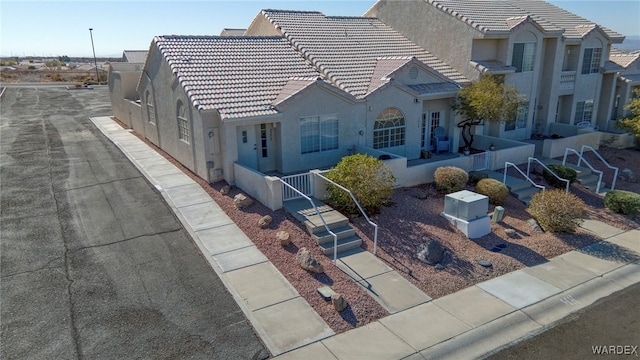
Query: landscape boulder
(308, 262)
(431, 252)
(225, 190)
(265, 221)
(339, 302)
(511, 233)
(628, 175)
(242, 200)
(284, 238)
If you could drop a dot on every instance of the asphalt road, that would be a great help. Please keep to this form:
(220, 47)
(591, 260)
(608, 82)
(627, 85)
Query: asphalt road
(608, 329)
(94, 265)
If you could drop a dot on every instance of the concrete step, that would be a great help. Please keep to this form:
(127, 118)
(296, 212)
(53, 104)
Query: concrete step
(525, 193)
(342, 233)
(343, 245)
(526, 200)
(580, 170)
(333, 219)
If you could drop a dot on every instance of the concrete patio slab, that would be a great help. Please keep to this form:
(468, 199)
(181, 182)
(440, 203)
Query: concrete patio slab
(237, 259)
(205, 215)
(599, 228)
(519, 289)
(315, 351)
(361, 264)
(480, 341)
(474, 306)
(394, 292)
(186, 195)
(625, 276)
(559, 306)
(171, 180)
(561, 273)
(261, 285)
(424, 325)
(221, 239)
(629, 239)
(599, 258)
(371, 342)
(289, 325)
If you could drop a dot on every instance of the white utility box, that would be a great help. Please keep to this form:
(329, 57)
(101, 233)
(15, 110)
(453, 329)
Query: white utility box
(466, 205)
(468, 212)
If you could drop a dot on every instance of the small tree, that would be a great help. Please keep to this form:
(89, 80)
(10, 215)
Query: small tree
(631, 124)
(369, 179)
(487, 99)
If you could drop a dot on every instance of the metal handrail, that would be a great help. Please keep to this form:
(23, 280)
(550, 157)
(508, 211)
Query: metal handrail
(580, 159)
(549, 170)
(335, 237)
(375, 226)
(506, 167)
(615, 169)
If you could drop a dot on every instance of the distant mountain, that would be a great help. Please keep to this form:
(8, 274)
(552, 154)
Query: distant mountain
(630, 43)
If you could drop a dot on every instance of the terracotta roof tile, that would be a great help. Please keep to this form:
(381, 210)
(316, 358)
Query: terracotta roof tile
(623, 58)
(237, 76)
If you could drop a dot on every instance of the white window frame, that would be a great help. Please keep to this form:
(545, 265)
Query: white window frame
(584, 111)
(591, 60)
(183, 122)
(520, 120)
(319, 133)
(525, 59)
(389, 129)
(151, 112)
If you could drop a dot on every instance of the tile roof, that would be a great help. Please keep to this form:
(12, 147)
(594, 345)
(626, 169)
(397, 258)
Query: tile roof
(237, 76)
(232, 32)
(346, 49)
(623, 58)
(134, 56)
(499, 16)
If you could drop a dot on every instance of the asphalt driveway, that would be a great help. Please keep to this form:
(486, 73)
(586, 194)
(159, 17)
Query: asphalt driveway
(93, 262)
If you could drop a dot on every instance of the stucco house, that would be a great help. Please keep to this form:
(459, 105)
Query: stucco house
(123, 79)
(628, 80)
(555, 58)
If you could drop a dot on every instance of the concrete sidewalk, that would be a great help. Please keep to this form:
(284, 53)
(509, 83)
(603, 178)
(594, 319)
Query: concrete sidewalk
(471, 323)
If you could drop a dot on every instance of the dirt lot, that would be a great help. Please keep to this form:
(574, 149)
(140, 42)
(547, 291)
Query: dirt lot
(35, 76)
(409, 220)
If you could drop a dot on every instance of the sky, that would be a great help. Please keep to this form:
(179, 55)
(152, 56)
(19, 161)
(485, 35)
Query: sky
(56, 28)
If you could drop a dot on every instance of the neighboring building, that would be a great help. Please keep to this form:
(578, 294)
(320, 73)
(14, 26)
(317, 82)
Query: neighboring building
(134, 56)
(301, 95)
(628, 81)
(557, 59)
(232, 32)
(123, 79)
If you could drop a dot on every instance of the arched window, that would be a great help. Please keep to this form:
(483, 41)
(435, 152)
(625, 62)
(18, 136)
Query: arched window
(183, 122)
(389, 129)
(151, 112)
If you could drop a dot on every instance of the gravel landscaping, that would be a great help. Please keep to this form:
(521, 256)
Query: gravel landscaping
(412, 218)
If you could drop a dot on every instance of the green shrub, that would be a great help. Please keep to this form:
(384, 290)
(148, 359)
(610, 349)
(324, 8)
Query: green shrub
(494, 189)
(622, 201)
(475, 176)
(369, 179)
(564, 172)
(450, 179)
(557, 211)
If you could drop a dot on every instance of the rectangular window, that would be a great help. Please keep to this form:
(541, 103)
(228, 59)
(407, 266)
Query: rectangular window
(520, 121)
(183, 129)
(423, 139)
(263, 140)
(584, 111)
(591, 60)
(524, 55)
(318, 133)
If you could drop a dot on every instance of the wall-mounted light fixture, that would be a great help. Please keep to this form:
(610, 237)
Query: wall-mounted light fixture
(361, 132)
(211, 133)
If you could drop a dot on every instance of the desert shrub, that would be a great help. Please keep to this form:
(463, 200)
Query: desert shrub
(622, 201)
(450, 179)
(564, 172)
(494, 189)
(475, 176)
(369, 179)
(557, 211)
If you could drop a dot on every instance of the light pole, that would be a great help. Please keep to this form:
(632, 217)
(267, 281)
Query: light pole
(95, 61)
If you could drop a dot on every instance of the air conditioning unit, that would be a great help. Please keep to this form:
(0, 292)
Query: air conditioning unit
(466, 205)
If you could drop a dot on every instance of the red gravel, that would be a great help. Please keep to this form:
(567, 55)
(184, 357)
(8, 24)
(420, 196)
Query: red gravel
(408, 221)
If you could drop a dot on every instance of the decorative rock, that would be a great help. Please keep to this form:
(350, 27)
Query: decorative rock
(339, 302)
(326, 292)
(483, 262)
(422, 196)
(535, 226)
(225, 190)
(242, 200)
(628, 175)
(265, 221)
(431, 252)
(511, 233)
(284, 237)
(308, 262)
(439, 266)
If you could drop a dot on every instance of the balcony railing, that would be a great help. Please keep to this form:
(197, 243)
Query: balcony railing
(567, 80)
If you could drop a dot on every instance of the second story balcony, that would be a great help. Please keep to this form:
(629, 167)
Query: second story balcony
(567, 82)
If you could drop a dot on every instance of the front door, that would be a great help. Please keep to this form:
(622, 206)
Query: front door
(247, 146)
(430, 121)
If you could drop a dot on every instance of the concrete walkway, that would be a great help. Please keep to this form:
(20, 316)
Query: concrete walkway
(470, 323)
